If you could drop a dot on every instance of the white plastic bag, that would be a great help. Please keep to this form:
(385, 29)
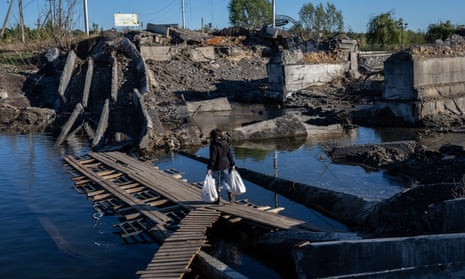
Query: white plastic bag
(209, 193)
(236, 184)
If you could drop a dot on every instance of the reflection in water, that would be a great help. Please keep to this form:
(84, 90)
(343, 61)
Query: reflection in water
(306, 161)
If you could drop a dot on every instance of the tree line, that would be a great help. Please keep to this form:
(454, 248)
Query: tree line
(323, 21)
(318, 22)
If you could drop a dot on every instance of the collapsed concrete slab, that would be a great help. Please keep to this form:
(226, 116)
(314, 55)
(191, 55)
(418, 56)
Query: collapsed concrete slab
(288, 125)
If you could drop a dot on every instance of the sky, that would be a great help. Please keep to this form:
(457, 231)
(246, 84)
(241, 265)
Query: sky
(418, 14)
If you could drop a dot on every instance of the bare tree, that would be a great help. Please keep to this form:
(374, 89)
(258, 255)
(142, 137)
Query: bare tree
(62, 21)
(5, 21)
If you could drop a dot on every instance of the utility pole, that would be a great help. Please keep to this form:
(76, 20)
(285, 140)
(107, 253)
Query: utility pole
(86, 18)
(183, 16)
(5, 21)
(275, 167)
(21, 20)
(274, 13)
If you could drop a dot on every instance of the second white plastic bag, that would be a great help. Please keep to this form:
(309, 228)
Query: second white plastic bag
(236, 184)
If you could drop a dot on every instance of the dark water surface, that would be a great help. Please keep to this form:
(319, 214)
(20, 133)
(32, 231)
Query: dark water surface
(48, 229)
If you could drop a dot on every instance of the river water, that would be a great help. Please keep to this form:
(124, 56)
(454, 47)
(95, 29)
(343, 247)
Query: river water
(48, 229)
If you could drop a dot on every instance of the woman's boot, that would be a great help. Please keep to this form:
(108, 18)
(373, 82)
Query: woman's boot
(232, 197)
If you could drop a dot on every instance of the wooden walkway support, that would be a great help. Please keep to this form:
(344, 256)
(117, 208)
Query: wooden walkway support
(159, 205)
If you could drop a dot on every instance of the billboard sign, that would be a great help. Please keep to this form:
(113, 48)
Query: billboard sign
(126, 20)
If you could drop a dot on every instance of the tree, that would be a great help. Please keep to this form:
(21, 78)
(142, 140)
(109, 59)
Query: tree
(440, 31)
(384, 30)
(250, 13)
(321, 21)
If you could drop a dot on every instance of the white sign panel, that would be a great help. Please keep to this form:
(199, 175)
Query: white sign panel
(124, 20)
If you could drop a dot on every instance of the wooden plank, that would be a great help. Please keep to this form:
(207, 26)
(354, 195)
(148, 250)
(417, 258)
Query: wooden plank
(167, 258)
(168, 270)
(78, 178)
(86, 161)
(135, 190)
(158, 202)
(94, 165)
(105, 172)
(82, 182)
(112, 176)
(175, 254)
(119, 193)
(174, 271)
(186, 260)
(185, 247)
(100, 197)
(179, 246)
(94, 193)
(167, 265)
(128, 186)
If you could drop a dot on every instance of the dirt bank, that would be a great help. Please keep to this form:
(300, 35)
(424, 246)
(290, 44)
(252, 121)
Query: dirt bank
(16, 113)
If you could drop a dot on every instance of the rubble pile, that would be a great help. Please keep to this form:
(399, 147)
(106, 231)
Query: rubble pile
(438, 51)
(231, 73)
(322, 57)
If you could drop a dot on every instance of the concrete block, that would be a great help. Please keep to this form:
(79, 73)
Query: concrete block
(398, 78)
(156, 53)
(297, 77)
(275, 73)
(440, 70)
(337, 258)
(218, 104)
(203, 54)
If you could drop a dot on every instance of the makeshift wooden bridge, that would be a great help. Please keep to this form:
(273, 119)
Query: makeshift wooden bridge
(158, 205)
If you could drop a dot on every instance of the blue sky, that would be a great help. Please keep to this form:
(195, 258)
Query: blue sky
(357, 13)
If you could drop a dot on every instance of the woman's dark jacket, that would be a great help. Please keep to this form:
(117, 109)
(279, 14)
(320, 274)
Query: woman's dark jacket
(220, 155)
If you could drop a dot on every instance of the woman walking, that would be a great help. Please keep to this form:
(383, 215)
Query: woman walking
(220, 162)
